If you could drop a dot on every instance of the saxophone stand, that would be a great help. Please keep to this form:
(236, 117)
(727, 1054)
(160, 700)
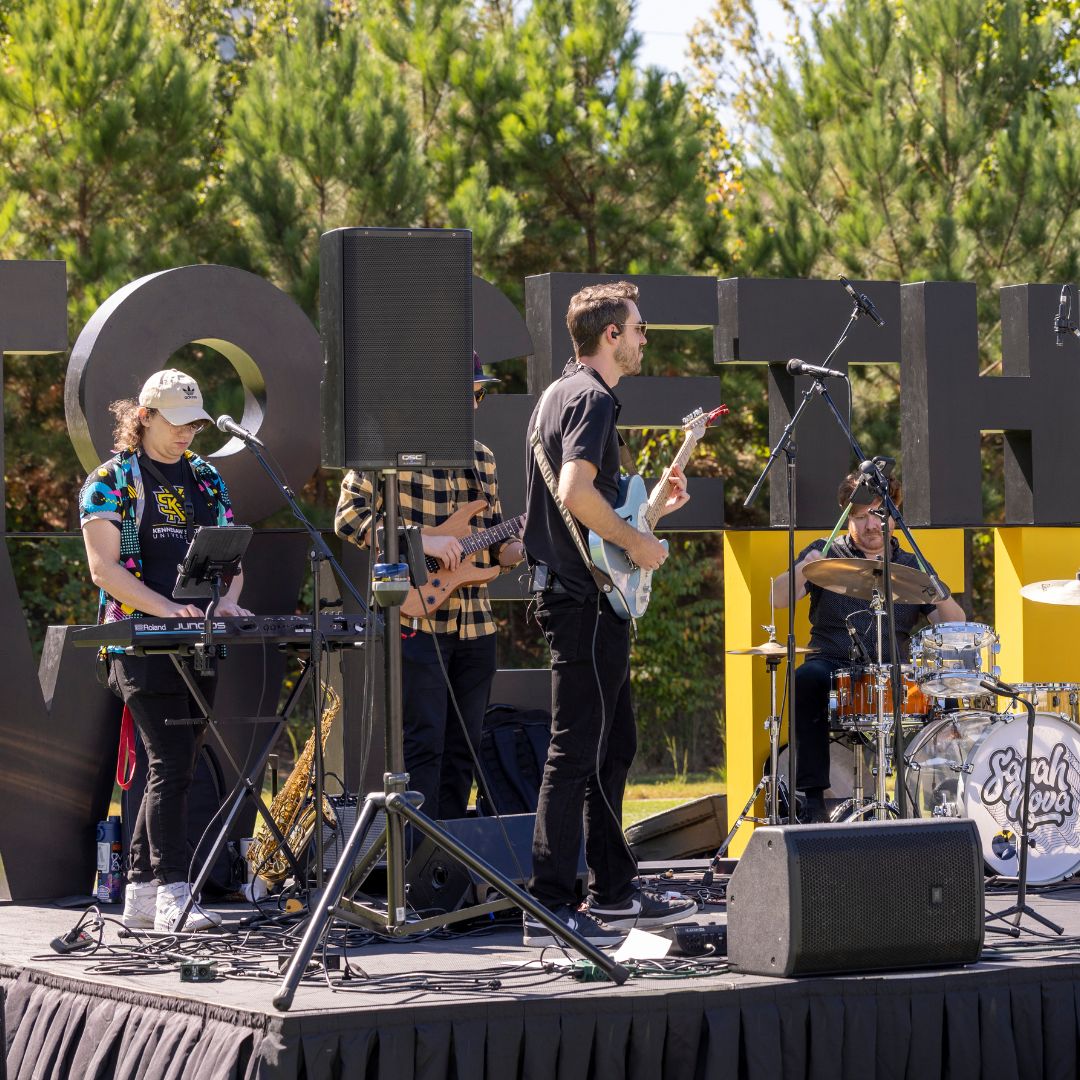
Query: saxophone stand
(1020, 908)
(400, 807)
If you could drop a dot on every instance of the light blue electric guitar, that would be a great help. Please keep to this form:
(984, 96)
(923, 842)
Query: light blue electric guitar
(633, 586)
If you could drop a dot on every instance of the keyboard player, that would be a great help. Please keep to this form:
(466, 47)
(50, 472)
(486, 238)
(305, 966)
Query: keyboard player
(138, 512)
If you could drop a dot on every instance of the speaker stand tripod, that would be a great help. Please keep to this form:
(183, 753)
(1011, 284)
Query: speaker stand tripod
(400, 807)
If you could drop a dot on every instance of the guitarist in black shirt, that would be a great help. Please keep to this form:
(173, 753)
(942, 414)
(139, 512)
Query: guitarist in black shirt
(593, 735)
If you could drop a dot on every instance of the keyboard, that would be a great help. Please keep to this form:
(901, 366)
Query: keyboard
(148, 632)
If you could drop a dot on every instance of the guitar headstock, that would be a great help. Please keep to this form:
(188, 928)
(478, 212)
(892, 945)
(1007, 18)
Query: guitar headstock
(699, 420)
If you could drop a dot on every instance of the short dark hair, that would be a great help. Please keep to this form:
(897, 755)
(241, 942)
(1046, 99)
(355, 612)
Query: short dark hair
(595, 307)
(850, 482)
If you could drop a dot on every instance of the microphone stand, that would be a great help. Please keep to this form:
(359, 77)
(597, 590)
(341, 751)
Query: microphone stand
(1020, 908)
(786, 446)
(320, 553)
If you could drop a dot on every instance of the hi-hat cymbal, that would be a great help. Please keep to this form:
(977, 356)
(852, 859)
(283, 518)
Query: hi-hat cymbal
(860, 577)
(1062, 591)
(770, 648)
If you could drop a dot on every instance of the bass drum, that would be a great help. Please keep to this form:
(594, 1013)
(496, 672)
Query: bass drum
(971, 764)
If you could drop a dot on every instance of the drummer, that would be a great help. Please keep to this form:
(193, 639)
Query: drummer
(831, 615)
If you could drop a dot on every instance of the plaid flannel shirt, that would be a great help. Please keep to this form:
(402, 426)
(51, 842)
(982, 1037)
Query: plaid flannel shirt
(426, 499)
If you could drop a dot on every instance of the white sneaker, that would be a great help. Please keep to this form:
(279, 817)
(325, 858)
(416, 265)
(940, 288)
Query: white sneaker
(171, 900)
(140, 905)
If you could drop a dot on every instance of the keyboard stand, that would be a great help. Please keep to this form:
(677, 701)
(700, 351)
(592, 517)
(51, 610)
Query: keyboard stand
(245, 784)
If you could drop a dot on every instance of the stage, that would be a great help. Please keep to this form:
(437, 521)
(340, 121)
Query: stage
(470, 1005)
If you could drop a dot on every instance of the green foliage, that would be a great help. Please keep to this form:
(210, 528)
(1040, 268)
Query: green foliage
(675, 674)
(320, 138)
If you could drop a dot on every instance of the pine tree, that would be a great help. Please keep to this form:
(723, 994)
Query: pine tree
(319, 138)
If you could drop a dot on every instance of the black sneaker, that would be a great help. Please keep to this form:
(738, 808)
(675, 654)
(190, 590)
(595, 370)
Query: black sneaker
(583, 924)
(814, 812)
(643, 909)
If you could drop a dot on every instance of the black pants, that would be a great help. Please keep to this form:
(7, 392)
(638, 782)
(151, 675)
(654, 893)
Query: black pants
(593, 742)
(437, 755)
(812, 685)
(154, 691)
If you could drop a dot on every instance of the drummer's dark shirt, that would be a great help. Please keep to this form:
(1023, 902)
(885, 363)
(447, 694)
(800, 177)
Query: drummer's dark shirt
(828, 631)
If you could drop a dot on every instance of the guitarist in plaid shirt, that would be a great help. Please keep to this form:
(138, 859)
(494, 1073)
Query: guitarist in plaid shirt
(462, 630)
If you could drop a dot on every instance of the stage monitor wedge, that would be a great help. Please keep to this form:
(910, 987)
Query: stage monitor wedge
(395, 312)
(869, 896)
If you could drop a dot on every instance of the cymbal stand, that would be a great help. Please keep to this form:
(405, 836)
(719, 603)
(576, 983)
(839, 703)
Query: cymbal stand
(770, 781)
(1021, 908)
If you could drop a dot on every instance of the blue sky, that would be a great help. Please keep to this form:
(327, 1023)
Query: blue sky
(665, 24)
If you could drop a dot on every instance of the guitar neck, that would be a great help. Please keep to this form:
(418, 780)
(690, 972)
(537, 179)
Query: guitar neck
(485, 538)
(659, 496)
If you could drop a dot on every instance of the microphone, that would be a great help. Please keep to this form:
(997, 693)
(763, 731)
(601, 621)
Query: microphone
(1061, 322)
(858, 650)
(797, 367)
(862, 301)
(231, 427)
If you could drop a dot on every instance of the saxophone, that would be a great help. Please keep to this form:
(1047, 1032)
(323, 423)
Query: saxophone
(292, 811)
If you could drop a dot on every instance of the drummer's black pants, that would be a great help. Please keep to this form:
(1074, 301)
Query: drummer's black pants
(813, 679)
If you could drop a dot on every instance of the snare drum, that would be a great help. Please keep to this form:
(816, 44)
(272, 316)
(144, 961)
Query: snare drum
(1062, 698)
(853, 698)
(971, 764)
(953, 659)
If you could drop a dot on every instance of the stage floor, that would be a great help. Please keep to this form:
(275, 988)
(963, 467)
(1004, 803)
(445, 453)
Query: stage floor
(442, 1004)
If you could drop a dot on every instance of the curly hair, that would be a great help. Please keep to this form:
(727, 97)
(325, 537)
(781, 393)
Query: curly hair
(595, 307)
(128, 431)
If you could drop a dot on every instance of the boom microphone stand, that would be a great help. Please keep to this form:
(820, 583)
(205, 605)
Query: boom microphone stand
(1021, 908)
(398, 806)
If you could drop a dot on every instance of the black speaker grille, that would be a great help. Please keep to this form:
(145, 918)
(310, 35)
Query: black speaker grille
(406, 342)
(886, 898)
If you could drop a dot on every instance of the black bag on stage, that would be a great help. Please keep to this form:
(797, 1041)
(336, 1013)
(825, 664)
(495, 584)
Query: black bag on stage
(513, 749)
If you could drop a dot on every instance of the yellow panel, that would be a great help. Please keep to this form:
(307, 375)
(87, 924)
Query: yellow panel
(1037, 640)
(751, 558)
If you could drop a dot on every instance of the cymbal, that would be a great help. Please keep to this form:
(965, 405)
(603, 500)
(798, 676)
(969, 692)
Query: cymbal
(860, 577)
(770, 648)
(1062, 591)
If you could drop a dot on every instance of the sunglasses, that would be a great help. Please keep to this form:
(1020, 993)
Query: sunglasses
(644, 326)
(479, 395)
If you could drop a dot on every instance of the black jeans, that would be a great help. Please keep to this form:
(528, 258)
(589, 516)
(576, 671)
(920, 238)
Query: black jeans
(593, 742)
(154, 691)
(813, 680)
(437, 755)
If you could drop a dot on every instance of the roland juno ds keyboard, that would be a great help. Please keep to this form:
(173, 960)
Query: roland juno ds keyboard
(151, 634)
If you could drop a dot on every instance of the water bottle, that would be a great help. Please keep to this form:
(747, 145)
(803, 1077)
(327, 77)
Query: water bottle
(110, 876)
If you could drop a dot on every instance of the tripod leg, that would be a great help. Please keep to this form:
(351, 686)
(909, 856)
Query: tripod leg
(764, 782)
(397, 804)
(322, 913)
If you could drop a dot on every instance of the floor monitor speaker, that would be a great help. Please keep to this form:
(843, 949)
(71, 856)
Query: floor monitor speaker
(868, 896)
(395, 313)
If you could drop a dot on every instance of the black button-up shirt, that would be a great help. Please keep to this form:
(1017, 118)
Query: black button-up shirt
(828, 610)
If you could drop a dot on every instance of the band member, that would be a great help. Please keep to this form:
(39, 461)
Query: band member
(593, 734)
(831, 614)
(138, 511)
(461, 631)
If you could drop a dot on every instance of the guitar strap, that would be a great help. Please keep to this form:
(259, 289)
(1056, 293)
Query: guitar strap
(603, 582)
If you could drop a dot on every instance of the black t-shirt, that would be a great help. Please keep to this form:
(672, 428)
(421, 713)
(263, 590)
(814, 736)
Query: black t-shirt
(577, 421)
(163, 529)
(828, 631)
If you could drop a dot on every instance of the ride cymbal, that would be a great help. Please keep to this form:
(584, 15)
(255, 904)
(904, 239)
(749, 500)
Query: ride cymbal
(861, 577)
(1060, 591)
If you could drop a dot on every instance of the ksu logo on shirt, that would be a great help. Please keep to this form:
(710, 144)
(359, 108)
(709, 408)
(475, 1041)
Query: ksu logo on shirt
(169, 506)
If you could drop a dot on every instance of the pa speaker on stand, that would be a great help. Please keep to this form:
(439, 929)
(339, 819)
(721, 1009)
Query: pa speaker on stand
(395, 310)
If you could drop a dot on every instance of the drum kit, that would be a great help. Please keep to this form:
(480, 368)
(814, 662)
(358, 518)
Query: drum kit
(963, 756)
